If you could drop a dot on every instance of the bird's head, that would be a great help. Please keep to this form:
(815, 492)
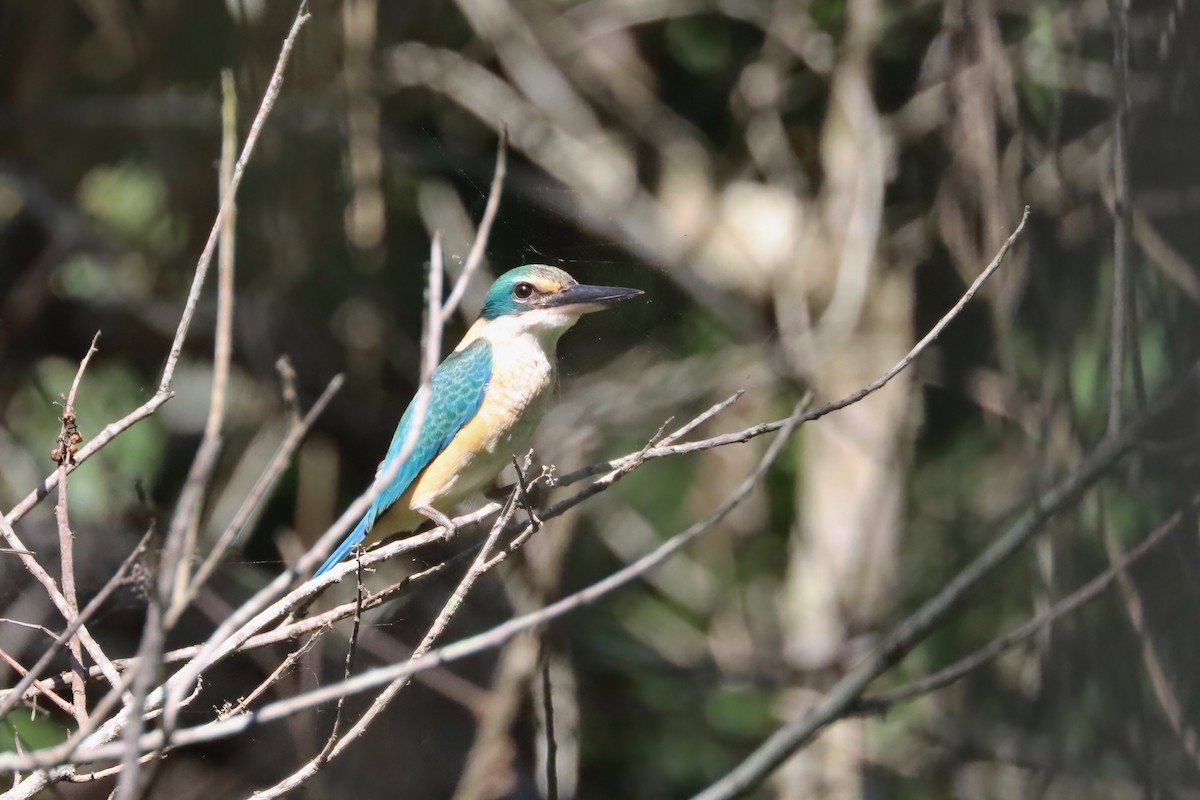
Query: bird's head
(544, 299)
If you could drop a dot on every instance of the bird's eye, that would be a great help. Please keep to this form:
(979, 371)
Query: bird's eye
(523, 291)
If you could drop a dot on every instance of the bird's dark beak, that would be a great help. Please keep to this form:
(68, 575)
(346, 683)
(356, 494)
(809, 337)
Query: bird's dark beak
(584, 299)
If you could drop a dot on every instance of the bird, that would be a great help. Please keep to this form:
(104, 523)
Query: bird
(485, 401)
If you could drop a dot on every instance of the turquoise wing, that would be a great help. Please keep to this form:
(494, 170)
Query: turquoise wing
(456, 393)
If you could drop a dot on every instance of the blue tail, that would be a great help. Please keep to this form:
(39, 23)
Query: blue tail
(348, 544)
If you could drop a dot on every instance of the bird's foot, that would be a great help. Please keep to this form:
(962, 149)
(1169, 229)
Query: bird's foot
(438, 518)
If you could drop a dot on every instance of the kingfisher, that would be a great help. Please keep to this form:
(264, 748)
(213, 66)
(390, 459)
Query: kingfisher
(485, 401)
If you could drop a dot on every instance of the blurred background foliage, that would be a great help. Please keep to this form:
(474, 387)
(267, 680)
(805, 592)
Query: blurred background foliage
(802, 188)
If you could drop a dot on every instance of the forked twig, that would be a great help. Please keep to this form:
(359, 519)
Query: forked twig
(68, 441)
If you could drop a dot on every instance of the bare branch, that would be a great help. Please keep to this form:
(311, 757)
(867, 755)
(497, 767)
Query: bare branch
(11, 697)
(41, 688)
(548, 715)
(828, 408)
(1122, 299)
(285, 665)
(149, 659)
(522, 489)
(431, 354)
(475, 256)
(1166, 692)
(188, 507)
(92, 349)
(262, 488)
(880, 703)
(327, 750)
(68, 440)
(227, 201)
(699, 420)
(841, 698)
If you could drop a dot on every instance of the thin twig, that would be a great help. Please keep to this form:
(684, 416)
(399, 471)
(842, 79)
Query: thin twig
(41, 576)
(523, 493)
(11, 697)
(33, 626)
(475, 256)
(285, 665)
(226, 207)
(880, 703)
(1122, 299)
(189, 505)
(92, 349)
(548, 714)
(1166, 692)
(327, 751)
(828, 408)
(700, 419)
(41, 688)
(68, 439)
(88, 777)
(432, 352)
(263, 487)
(149, 664)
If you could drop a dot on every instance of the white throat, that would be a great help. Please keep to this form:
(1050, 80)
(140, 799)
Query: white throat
(543, 325)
